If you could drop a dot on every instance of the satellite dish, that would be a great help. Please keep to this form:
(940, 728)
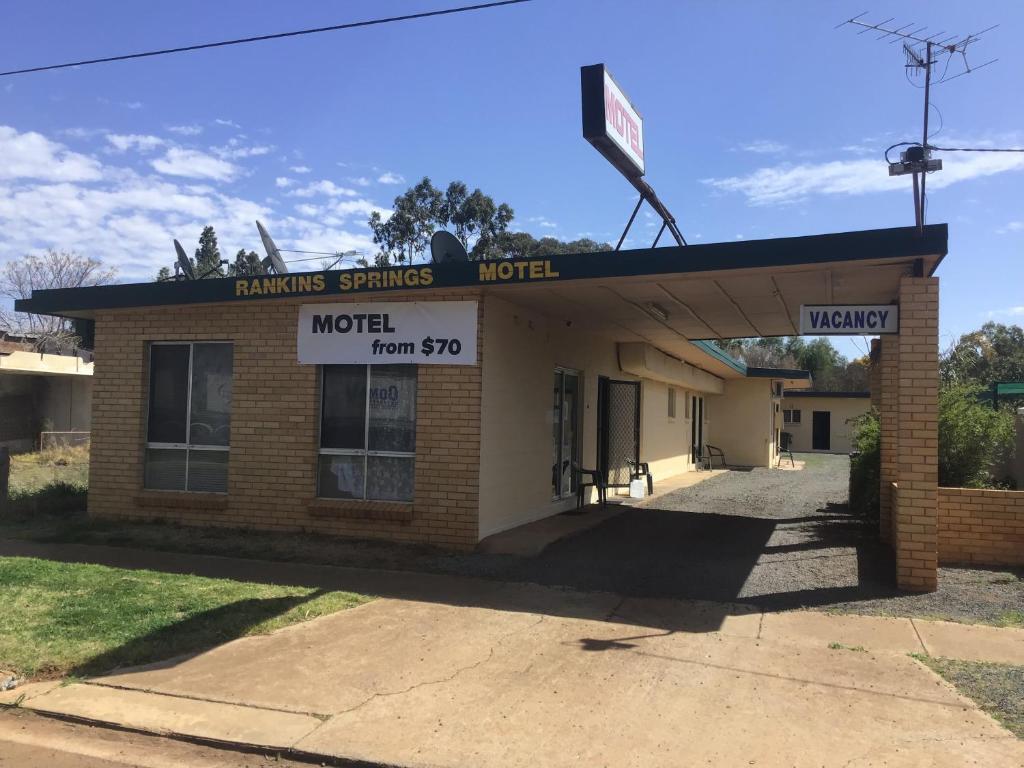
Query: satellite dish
(183, 263)
(446, 248)
(273, 262)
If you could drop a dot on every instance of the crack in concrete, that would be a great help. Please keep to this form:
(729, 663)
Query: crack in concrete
(441, 681)
(919, 638)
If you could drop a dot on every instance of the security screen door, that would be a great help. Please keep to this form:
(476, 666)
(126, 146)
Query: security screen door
(565, 432)
(618, 438)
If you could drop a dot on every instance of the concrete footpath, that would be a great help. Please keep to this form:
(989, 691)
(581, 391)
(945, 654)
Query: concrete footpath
(461, 672)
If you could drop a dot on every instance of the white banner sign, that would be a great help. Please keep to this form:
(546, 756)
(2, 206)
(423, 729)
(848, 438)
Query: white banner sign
(431, 332)
(849, 319)
(623, 123)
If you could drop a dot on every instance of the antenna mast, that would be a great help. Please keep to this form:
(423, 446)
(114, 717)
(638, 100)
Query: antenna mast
(921, 52)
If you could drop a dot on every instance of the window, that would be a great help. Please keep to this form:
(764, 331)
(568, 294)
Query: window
(686, 406)
(791, 417)
(671, 402)
(565, 433)
(367, 432)
(189, 426)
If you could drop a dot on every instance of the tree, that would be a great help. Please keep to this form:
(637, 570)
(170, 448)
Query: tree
(523, 245)
(207, 259)
(975, 440)
(994, 352)
(246, 263)
(163, 275)
(34, 272)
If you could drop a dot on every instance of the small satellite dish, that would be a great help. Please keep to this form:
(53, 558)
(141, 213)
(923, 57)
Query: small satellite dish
(183, 263)
(273, 262)
(446, 248)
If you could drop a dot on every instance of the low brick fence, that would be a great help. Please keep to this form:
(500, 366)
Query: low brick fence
(981, 526)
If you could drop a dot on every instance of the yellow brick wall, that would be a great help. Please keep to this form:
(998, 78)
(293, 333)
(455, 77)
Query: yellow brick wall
(981, 527)
(888, 414)
(274, 430)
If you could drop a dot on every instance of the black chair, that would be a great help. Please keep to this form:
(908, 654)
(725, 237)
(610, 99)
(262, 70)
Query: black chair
(638, 469)
(714, 453)
(786, 447)
(597, 480)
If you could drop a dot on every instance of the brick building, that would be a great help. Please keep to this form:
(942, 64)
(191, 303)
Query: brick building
(327, 402)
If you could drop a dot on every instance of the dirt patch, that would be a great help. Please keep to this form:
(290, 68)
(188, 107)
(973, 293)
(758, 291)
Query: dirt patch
(996, 688)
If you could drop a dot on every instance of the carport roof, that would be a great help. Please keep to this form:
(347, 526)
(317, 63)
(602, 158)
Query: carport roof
(667, 297)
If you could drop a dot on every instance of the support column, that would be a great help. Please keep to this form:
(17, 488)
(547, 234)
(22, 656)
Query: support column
(915, 513)
(888, 415)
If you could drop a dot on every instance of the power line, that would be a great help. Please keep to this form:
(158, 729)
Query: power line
(260, 38)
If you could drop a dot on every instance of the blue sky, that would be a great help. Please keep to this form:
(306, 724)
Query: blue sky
(761, 120)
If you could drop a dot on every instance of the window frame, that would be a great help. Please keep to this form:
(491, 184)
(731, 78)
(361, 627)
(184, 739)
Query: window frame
(187, 446)
(365, 451)
(791, 416)
(672, 403)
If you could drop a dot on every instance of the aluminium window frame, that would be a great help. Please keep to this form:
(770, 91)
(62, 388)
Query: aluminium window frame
(577, 427)
(187, 446)
(365, 451)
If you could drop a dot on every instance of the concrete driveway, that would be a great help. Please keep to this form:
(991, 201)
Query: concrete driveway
(485, 674)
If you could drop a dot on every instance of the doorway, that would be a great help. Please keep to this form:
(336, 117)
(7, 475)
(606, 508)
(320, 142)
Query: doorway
(565, 432)
(696, 427)
(618, 429)
(821, 430)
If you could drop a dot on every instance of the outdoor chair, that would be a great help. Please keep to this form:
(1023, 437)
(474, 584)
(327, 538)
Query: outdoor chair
(638, 469)
(714, 453)
(597, 480)
(786, 447)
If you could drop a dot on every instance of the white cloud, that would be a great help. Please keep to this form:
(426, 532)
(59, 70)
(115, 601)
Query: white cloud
(763, 147)
(133, 105)
(345, 208)
(1013, 226)
(283, 181)
(186, 130)
(786, 183)
(123, 142)
(360, 181)
(195, 164)
(542, 221)
(1008, 312)
(31, 155)
(390, 178)
(234, 151)
(323, 187)
(300, 169)
(228, 123)
(307, 210)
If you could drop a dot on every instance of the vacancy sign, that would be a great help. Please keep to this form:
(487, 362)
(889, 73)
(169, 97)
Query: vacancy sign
(849, 319)
(423, 332)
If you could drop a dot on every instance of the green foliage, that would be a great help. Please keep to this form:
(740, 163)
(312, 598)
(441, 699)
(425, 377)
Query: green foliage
(523, 245)
(995, 352)
(163, 275)
(830, 371)
(974, 439)
(246, 263)
(865, 465)
(207, 261)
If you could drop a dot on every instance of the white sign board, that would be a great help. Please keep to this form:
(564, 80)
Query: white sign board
(849, 319)
(424, 332)
(623, 124)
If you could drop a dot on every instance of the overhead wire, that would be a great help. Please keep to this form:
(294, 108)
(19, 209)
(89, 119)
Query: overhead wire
(261, 38)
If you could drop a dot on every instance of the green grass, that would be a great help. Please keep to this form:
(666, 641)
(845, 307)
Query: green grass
(840, 647)
(49, 482)
(67, 619)
(1011, 619)
(996, 688)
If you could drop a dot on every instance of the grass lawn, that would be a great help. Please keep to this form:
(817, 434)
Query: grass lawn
(71, 619)
(997, 688)
(53, 481)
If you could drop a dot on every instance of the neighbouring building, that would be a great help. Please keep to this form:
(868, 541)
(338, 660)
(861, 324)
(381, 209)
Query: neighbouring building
(823, 421)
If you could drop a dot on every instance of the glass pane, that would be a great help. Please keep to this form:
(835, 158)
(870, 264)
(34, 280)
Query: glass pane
(165, 469)
(208, 471)
(343, 414)
(570, 408)
(211, 395)
(340, 477)
(390, 478)
(393, 408)
(168, 393)
(556, 436)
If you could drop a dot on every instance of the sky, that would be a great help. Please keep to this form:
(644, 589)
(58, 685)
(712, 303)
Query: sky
(761, 120)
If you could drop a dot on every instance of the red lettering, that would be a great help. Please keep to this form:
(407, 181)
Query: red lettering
(616, 114)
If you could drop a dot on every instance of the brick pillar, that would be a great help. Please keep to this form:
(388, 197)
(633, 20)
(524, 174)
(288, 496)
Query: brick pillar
(915, 515)
(888, 414)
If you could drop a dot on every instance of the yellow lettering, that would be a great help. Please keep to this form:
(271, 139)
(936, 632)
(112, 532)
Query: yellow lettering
(536, 270)
(426, 275)
(345, 281)
(305, 283)
(521, 268)
(373, 280)
(256, 288)
(504, 270)
(284, 285)
(358, 280)
(269, 285)
(411, 277)
(548, 271)
(488, 271)
(318, 283)
(241, 287)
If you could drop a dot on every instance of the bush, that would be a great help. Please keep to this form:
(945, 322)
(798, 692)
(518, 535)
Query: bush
(974, 439)
(865, 465)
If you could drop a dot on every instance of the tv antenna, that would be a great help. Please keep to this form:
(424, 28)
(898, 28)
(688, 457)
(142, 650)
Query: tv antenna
(276, 264)
(445, 248)
(183, 268)
(923, 52)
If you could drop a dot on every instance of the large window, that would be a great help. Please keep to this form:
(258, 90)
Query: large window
(189, 426)
(367, 432)
(791, 416)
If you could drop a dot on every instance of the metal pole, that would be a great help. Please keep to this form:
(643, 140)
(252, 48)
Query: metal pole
(917, 205)
(630, 222)
(924, 141)
(660, 232)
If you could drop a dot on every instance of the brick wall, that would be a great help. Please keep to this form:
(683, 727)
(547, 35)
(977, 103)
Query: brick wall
(981, 526)
(274, 430)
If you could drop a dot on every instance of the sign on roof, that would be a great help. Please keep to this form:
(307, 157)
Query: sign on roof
(849, 319)
(610, 122)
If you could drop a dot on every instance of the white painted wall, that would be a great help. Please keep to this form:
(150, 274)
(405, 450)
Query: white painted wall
(842, 410)
(743, 422)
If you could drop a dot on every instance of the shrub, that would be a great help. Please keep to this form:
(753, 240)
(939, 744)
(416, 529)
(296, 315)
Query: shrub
(974, 439)
(865, 465)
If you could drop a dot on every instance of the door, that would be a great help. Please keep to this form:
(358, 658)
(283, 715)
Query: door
(696, 427)
(618, 429)
(821, 430)
(565, 433)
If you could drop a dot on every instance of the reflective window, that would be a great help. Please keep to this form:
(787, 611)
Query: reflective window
(367, 432)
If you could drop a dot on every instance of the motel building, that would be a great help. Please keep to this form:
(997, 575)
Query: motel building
(443, 403)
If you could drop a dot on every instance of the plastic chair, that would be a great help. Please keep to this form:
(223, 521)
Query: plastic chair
(638, 469)
(597, 480)
(786, 446)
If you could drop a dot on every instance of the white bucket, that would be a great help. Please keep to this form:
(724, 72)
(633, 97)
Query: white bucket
(637, 488)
